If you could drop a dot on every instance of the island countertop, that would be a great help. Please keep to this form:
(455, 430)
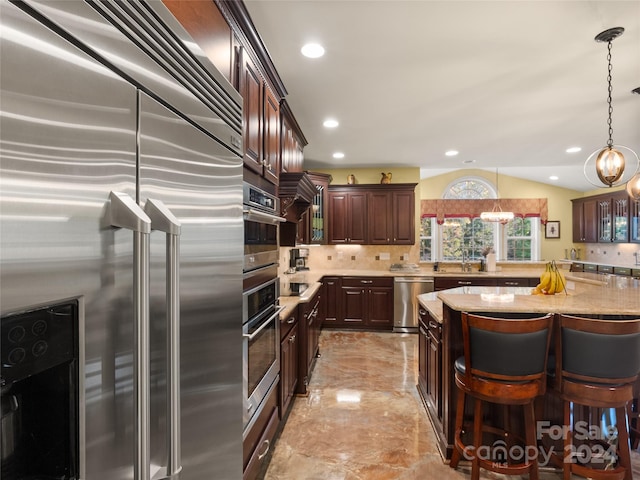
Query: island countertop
(584, 298)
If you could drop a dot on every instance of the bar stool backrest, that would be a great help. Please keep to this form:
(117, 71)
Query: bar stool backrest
(501, 348)
(603, 351)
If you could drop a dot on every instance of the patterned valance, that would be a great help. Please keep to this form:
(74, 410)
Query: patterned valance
(521, 207)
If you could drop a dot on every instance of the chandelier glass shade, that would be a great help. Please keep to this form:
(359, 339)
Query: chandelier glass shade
(633, 186)
(609, 165)
(496, 215)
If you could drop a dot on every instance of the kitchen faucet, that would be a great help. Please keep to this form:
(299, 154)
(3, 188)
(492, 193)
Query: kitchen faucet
(466, 266)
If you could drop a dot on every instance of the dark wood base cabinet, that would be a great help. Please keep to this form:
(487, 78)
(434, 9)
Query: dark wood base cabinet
(310, 323)
(444, 283)
(257, 443)
(430, 372)
(359, 302)
(288, 364)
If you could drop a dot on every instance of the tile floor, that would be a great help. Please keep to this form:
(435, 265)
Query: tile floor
(363, 418)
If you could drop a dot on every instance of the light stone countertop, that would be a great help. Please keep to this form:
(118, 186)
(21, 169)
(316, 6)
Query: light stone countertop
(584, 298)
(617, 297)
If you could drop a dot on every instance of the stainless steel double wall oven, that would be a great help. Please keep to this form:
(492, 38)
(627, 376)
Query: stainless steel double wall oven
(260, 308)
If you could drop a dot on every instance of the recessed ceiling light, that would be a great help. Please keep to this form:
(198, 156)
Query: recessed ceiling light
(553, 177)
(338, 155)
(468, 161)
(451, 153)
(312, 50)
(330, 123)
(573, 150)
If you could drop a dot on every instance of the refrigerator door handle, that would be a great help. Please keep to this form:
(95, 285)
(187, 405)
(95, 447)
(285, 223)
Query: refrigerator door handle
(163, 220)
(123, 212)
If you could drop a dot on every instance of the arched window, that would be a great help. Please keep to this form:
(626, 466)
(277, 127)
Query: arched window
(469, 188)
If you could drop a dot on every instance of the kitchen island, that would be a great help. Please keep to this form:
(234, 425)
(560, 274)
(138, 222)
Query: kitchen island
(441, 336)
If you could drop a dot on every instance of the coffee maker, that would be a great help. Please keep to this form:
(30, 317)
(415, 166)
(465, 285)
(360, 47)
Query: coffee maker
(299, 258)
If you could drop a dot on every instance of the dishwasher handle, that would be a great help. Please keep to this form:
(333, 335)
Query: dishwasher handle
(413, 280)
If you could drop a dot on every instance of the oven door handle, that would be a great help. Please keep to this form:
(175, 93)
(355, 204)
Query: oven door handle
(262, 217)
(264, 324)
(163, 220)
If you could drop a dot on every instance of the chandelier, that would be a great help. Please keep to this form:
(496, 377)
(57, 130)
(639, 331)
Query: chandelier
(496, 215)
(609, 163)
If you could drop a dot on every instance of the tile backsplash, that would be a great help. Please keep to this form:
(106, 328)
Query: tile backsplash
(349, 257)
(620, 254)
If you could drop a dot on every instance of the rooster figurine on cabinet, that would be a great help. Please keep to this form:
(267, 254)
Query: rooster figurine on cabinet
(386, 178)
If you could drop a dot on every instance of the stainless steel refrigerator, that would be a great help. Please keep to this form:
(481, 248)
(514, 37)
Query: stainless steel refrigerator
(121, 189)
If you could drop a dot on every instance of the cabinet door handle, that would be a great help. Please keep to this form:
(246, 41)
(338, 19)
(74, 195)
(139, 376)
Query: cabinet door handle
(292, 339)
(423, 331)
(291, 320)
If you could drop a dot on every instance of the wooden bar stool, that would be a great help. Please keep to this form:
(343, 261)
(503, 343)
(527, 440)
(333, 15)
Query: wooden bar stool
(504, 363)
(597, 364)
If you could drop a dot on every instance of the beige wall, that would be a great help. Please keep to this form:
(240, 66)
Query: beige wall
(559, 205)
(371, 175)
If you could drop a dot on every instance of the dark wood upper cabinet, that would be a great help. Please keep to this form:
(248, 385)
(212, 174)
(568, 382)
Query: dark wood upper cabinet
(292, 140)
(271, 145)
(252, 91)
(347, 217)
(380, 218)
(585, 222)
(372, 214)
(605, 218)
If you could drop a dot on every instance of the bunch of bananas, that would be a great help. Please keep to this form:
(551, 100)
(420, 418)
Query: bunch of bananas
(552, 281)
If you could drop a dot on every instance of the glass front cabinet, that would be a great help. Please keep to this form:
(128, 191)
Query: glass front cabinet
(634, 220)
(613, 218)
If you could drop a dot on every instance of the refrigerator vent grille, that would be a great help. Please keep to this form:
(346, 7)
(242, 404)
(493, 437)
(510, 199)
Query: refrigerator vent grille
(143, 26)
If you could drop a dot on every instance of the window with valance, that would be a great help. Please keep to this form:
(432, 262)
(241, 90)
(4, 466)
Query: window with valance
(440, 209)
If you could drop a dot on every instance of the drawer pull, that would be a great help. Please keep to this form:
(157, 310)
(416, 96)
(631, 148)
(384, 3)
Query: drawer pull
(433, 325)
(422, 312)
(366, 281)
(292, 339)
(266, 450)
(291, 320)
(512, 284)
(460, 282)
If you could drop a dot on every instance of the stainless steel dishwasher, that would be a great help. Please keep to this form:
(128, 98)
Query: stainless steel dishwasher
(405, 303)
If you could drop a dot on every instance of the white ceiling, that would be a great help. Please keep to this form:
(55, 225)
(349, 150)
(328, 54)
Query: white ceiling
(509, 84)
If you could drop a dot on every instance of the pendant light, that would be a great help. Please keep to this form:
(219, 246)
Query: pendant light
(496, 215)
(609, 163)
(633, 187)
